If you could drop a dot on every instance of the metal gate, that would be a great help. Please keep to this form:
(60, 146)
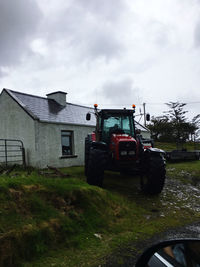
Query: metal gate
(12, 152)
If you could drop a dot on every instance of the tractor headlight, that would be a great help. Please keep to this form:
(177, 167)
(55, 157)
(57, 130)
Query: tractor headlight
(123, 153)
(131, 153)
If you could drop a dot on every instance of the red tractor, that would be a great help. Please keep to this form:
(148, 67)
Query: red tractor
(115, 145)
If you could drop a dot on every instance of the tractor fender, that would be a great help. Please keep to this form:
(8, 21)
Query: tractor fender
(154, 150)
(99, 145)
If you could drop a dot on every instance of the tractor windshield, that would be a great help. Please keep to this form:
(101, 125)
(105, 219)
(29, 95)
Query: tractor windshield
(122, 124)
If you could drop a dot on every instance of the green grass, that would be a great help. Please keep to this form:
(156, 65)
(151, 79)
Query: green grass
(172, 146)
(187, 172)
(48, 221)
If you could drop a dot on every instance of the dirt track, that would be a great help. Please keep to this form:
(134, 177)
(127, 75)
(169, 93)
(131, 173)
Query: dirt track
(184, 196)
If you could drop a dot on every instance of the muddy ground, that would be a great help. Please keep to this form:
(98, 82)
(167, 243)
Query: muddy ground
(183, 196)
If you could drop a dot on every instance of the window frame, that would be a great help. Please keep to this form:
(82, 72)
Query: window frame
(70, 134)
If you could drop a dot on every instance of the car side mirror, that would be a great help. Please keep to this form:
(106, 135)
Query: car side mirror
(148, 117)
(177, 253)
(88, 116)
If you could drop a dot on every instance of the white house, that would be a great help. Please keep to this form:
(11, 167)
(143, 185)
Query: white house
(52, 130)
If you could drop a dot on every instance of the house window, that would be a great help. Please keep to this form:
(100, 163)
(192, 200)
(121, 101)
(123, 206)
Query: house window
(66, 142)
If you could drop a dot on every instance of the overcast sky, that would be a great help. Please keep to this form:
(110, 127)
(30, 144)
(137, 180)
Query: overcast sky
(113, 52)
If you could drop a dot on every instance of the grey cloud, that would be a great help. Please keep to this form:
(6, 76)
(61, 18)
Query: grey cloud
(197, 35)
(121, 91)
(66, 26)
(102, 43)
(89, 27)
(18, 22)
(159, 33)
(108, 10)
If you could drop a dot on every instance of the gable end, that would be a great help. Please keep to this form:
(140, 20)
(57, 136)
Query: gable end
(19, 103)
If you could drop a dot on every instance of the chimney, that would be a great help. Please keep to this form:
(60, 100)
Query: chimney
(59, 97)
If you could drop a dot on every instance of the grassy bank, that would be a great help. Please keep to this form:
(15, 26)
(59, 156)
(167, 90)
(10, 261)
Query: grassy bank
(65, 222)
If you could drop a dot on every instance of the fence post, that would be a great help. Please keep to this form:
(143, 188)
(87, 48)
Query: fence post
(6, 156)
(23, 156)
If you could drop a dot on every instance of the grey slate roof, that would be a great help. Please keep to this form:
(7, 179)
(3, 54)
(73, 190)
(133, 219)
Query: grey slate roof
(48, 110)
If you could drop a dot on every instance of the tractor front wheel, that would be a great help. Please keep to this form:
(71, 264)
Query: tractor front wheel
(153, 175)
(96, 166)
(87, 152)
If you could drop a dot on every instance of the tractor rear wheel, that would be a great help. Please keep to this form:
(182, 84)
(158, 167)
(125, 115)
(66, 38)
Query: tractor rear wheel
(153, 177)
(96, 166)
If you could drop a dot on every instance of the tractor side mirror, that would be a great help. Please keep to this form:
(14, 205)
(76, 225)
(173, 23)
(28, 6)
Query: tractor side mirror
(88, 116)
(148, 117)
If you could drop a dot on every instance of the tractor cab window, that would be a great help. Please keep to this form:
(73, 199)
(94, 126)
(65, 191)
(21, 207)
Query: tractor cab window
(126, 126)
(116, 124)
(111, 122)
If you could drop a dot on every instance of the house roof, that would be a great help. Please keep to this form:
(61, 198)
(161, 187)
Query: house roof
(48, 110)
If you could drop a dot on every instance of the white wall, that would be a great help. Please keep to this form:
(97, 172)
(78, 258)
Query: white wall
(15, 123)
(49, 149)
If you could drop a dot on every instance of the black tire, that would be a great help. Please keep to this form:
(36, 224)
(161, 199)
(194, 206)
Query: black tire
(197, 157)
(153, 174)
(96, 166)
(87, 151)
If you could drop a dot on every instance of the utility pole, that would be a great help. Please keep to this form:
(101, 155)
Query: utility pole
(144, 114)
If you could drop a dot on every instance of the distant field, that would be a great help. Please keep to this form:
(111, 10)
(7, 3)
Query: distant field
(172, 146)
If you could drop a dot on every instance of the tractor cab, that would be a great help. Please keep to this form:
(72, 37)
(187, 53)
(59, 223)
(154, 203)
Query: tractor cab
(119, 122)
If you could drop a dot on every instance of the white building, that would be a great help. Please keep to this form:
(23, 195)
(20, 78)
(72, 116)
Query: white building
(52, 130)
